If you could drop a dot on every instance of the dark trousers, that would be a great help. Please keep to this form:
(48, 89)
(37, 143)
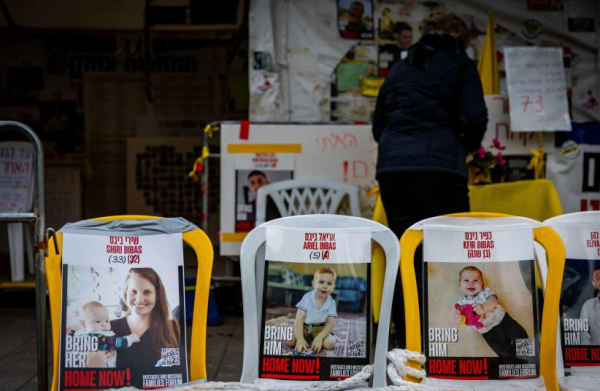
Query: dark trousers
(409, 197)
(501, 337)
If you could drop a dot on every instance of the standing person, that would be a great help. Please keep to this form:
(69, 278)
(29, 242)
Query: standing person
(148, 315)
(430, 114)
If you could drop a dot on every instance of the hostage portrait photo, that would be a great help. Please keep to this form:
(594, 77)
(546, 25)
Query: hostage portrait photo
(316, 310)
(247, 184)
(580, 302)
(355, 19)
(122, 317)
(491, 305)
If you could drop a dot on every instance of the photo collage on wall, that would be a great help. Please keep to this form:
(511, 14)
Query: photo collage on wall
(123, 312)
(579, 298)
(481, 319)
(315, 322)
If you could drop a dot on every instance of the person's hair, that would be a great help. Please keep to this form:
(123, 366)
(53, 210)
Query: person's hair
(445, 22)
(165, 331)
(472, 269)
(256, 172)
(89, 305)
(400, 27)
(325, 270)
(359, 3)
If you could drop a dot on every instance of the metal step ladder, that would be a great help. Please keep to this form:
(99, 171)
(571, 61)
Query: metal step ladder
(41, 244)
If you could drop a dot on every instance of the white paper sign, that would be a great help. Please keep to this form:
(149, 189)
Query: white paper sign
(264, 161)
(317, 246)
(16, 168)
(498, 128)
(132, 251)
(110, 284)
(536, 89)
(580, 243)
(477, 244)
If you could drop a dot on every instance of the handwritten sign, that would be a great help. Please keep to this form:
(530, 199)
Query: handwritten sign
(16, 168)
(537, 89)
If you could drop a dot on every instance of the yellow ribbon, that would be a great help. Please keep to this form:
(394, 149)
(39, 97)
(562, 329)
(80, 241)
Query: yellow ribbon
(373, 191)
(194, 173)
(209, 129)
(537, 162)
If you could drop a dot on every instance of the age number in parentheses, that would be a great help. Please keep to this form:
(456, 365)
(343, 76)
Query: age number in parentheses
(123, 259)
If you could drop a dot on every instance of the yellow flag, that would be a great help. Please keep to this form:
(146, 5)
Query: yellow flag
(488, 62)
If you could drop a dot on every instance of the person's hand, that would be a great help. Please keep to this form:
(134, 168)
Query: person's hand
(134, 338)
(457, 317)
(317, 344)
(479, 309)
(301, 345)
(73, 328)
(99, 359)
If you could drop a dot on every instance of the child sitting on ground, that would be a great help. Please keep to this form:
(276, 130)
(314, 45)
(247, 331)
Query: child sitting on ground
(316, 315)
(499, 329)
(96, 323)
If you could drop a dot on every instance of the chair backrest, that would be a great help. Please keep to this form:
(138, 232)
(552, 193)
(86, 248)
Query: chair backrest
(499, 249)
(306, 196)
(253, 274)
(580, 233)
(128, 226)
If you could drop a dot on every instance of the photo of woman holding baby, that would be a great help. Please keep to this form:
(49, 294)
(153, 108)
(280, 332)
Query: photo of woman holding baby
(144, 301)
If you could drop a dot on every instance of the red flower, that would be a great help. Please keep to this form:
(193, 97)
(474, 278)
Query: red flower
(501, 160)
(481, 152)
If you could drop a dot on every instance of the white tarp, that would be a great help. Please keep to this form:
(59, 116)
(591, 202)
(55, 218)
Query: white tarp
(303, 41)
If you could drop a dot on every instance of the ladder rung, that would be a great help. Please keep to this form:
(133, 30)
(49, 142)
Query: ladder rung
(18, 217)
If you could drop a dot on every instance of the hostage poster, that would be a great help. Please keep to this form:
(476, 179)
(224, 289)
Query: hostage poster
(315, 323)
(123, 315)
(481, 308)
(579, 299)
(254, 171)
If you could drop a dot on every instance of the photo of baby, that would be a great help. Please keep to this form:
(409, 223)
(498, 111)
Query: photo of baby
(96, 323)
(316, 310)
(491, 305)
(481, 307)
(109, 314)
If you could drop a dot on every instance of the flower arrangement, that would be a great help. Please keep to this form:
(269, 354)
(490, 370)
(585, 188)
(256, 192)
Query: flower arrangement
(486, 166)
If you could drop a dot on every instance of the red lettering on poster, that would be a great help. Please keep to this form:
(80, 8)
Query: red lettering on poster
(442, 367)
(275, 365)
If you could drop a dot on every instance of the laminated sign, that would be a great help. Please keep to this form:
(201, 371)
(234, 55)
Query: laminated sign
(580, 304)
(123, 315)
(316, 305)
(254, 171)
(481, 306)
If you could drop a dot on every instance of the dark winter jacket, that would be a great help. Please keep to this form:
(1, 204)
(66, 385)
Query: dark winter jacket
(430, 111)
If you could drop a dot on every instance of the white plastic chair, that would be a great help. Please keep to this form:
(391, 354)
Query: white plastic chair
(252, 259)
(550, 264)
(571, 227)
(306, 196)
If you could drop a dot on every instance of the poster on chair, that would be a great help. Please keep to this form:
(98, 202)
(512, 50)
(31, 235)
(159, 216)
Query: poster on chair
(315, 322)
(123, 314)
(580, 297)
(481, 318)
(254, 171)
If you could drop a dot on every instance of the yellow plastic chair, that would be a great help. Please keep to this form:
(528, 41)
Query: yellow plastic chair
(201, 245)
(555, 251)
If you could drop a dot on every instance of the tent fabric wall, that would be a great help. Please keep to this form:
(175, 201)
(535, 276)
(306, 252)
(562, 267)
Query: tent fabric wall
(304, 41)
